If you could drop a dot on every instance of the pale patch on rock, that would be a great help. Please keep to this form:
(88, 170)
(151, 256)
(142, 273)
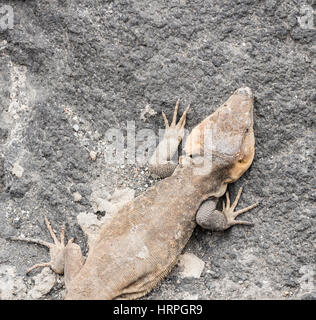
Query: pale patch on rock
(19, 91)
(77, 196)
(190, 266)
(44, 282)
(3, 44)
(147, 111)
(89, 222)
(17, 170)
(93, 155)
(12, 286)
(102, 201)
(225, 287)
(189, 296)
(90, 225)
(6, 120)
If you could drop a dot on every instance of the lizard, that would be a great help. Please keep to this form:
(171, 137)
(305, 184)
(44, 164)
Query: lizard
(141, 243)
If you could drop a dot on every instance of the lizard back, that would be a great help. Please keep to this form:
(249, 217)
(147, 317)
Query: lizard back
(139, 245)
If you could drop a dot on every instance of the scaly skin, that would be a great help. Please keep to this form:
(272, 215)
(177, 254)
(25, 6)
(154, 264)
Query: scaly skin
(141, 243)
(143, 240)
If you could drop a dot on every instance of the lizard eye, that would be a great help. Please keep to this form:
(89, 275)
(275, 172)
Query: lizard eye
(193, 156)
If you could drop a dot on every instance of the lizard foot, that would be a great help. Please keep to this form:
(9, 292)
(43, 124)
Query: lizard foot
(56, 249)
(230, 214)
(176, 127)
(160, 163)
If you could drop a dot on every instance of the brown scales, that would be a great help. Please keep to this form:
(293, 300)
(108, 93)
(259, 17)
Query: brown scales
(142, 242)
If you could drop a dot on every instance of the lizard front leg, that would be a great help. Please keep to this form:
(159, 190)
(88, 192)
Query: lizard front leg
(66, 260)
(161, 163)
(210, 218)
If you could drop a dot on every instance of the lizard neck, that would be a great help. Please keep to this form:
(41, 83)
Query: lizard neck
(206, 180)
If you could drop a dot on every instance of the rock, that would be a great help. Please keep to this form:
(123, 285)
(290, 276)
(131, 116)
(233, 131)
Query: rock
(77, 196)
(93, 155)
(90, 225)
(11, 285)
(309, 296)
(147, 112)
(190, 266)
(17, 170)
(43, 283)
(123, 61)
(189, 296)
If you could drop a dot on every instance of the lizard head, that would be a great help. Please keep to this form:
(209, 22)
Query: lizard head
(226, 137)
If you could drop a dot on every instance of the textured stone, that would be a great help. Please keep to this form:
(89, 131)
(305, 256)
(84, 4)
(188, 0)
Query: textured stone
(43, 283)
(98, 64)
(17, 170)
(190, 266)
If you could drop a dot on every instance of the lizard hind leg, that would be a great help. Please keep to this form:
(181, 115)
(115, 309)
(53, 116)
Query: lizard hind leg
(210, 218)
(56, 250)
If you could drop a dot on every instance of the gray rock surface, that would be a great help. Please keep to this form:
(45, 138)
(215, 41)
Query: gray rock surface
(72, 70)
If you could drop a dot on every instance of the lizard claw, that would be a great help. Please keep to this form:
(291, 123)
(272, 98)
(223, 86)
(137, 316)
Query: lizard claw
(56, 249)
(175, 130)
(230, 214)
(173, 124)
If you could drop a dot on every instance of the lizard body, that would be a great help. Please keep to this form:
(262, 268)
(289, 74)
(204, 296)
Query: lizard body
(142, 241)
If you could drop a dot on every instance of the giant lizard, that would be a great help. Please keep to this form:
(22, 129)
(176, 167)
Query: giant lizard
(139, 245)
